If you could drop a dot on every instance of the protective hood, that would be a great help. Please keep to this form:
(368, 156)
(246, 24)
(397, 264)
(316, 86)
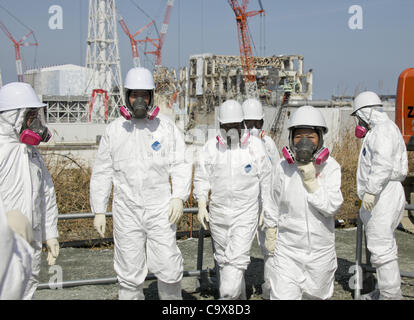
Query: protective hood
(372, 116)
(10, 124)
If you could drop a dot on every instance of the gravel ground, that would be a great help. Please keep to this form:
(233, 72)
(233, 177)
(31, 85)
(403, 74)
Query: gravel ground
(82, 263)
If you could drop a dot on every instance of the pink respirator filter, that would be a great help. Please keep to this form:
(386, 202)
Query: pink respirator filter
(245, 138)
(360, 132)
(220, 141)
(125, 113)
(322, 156)
(153, 113)
(29, 137)
(288, 155)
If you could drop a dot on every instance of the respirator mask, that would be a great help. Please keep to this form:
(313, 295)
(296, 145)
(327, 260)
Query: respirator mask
(36, 131)
(139, 109)
(230, 135)
(255, 128)
(361, 128)
(305, 151)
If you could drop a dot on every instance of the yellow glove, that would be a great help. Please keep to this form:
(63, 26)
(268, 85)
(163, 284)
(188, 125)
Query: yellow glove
(52, 251)
(176, 210)
(20, 225)
(368, 201)
(270, 240)
(203, 213)
(308, 173)
(99, 222)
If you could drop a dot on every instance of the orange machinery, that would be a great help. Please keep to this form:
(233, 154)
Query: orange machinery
(404, 107)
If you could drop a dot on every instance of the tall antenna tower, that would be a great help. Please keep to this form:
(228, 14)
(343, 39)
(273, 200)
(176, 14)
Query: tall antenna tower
(104, 80)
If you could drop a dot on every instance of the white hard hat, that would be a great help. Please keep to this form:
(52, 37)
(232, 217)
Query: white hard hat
(139, 78)
(308, 116)
(366, 99)
(252, 109)
(230, 111)
(18, 95)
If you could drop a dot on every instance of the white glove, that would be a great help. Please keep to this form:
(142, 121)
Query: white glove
(368, 201)
(308, 172)
(203, 214)
(176, 210)
(270, 240)
(52, 250)
(261, 224)
(20, 225)
(99, 222)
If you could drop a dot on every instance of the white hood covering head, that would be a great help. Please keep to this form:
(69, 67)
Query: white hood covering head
(11, 122)
(372, 115)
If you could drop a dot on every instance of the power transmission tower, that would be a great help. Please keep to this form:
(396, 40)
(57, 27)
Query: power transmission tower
(104, 80)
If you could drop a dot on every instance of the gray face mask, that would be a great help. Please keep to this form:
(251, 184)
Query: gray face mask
(304, 150)
(139, 108)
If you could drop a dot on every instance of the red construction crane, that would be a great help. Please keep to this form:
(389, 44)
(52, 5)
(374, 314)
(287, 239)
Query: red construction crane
(17, 49)
(159, 42)
(134, 47)
(246, 55)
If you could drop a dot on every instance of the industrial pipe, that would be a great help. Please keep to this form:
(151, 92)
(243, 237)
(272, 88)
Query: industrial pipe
(86, 282)
(71, 216)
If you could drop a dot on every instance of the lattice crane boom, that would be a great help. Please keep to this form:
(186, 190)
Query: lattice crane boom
(134, 47)
(246, 55)
(17, 49)
(158, 43)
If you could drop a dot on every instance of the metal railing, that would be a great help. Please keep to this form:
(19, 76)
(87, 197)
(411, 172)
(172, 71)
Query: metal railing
(210, 274)
(201, 274)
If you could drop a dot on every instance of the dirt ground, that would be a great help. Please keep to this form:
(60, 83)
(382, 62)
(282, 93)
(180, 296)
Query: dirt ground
(84, 263)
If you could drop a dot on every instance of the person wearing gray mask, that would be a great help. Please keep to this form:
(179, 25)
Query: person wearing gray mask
(306, 189)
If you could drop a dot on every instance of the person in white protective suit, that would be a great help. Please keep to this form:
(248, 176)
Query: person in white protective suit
(254, 121)
(382, 165)
(306, 189)
(16, 253)
(25, 182)
(234, 169)
(138, 154)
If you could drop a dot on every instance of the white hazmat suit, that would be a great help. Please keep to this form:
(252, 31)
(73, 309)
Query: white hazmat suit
(26, 185)
(254, 119)
(234, 176)
(382, 165)
(138, 157)
(15, 263)
(307, 197)
(274, 157)
(305, 259)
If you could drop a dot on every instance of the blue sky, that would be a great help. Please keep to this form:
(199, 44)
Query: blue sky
(343, 60)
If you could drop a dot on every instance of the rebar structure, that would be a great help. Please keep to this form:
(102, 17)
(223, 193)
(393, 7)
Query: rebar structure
(104, 81)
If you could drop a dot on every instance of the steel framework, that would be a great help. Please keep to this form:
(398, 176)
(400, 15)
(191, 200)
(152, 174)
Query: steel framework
(103, 61)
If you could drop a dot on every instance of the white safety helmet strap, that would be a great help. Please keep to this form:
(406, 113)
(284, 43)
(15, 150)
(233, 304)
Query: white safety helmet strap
(139, 79)
(308, 117)
(366, 99)
(319, 131)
